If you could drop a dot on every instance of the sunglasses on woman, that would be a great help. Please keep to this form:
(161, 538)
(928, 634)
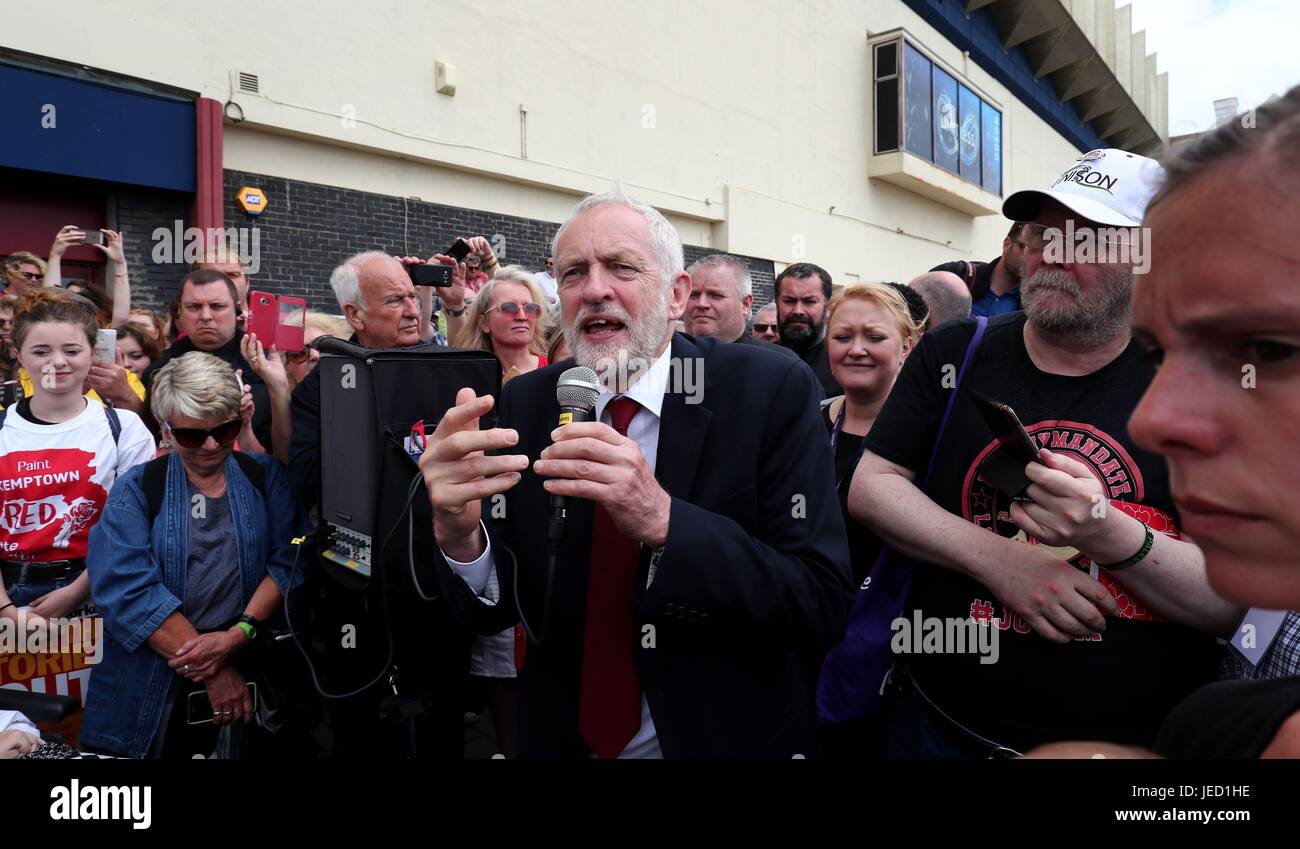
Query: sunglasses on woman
(511, 308)
(297, 358)
(194, 437)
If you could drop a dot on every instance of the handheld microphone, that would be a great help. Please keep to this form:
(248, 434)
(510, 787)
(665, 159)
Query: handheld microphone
(576, 393)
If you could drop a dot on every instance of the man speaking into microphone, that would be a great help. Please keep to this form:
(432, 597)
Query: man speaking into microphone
(702, 570)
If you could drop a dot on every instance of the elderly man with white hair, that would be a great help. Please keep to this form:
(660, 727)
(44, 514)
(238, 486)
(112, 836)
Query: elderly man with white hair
(703, 571)
(384, 309)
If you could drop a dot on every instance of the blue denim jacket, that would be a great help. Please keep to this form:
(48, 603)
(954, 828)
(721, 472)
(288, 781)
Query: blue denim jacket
(137, 579)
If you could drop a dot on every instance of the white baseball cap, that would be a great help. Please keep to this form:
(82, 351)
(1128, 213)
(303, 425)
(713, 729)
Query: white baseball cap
(1111, 187)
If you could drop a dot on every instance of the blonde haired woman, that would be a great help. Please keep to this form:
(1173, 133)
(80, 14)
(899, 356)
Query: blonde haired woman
(869, 333)
(506, 319)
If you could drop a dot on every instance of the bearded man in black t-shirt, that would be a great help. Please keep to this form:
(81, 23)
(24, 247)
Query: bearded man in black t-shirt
(1104, 616)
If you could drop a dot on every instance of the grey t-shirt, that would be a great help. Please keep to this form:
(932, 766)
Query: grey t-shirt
(212, 596)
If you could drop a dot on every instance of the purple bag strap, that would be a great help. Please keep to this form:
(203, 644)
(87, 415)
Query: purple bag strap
(981, 322)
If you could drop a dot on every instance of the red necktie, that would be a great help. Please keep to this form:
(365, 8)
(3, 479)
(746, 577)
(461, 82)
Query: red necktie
(610, 711)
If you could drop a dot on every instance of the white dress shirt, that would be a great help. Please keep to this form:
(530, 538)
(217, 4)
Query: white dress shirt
(647, 390)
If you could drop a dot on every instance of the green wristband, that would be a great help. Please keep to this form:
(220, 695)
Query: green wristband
(1136, 558)
(247, 628)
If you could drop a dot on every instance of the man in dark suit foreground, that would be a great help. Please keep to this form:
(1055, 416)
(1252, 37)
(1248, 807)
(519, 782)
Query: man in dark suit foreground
(704, 569)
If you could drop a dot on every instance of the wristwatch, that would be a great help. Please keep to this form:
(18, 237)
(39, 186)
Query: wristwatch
(248, 625)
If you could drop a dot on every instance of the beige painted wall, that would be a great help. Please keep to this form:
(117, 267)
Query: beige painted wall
(744, 120)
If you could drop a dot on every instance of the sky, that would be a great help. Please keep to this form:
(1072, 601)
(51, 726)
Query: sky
(1212, 49)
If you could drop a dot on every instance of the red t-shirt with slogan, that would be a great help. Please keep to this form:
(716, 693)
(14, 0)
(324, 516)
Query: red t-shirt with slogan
(55, 478)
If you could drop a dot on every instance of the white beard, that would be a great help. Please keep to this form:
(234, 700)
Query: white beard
(619, 367)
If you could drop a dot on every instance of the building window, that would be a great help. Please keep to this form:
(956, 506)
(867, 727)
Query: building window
(943, 121)
(886, 63)
(916, 104)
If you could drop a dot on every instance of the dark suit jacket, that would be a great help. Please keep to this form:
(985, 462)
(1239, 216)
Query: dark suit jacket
(753, 585)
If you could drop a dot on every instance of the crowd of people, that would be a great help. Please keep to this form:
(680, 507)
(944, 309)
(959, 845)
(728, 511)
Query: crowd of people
(726, 554)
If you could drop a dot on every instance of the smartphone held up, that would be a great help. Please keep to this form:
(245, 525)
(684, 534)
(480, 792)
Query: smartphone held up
(277, 321)
(106, 345)
(430, 275)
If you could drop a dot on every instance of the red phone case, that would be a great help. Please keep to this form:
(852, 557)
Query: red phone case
(263, 317)
(289, 336)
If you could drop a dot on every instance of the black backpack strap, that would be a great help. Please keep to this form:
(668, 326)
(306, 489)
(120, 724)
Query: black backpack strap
(114, 423)
(154, 481)
(2, 416)
(252, 470)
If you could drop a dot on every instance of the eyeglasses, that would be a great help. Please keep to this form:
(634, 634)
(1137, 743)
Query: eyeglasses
(765, 328)
(1036, 237)
(511, 308)
(29, 275)
(194, 437)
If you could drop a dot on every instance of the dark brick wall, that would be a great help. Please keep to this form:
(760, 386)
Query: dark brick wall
(308, 228)
(140, 212)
